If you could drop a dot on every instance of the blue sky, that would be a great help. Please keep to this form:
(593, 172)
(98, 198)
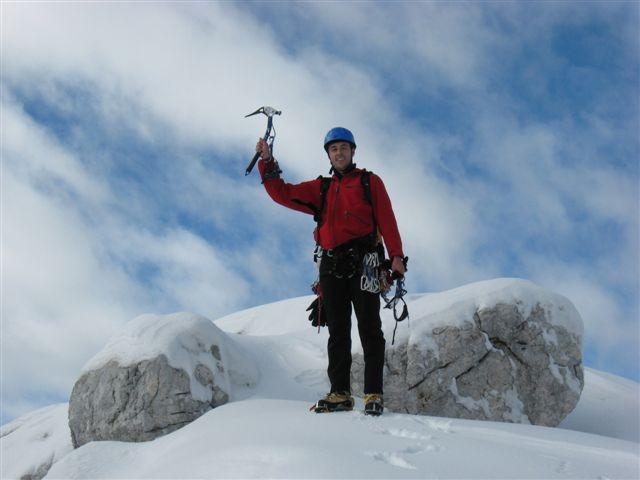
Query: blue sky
(505, 132)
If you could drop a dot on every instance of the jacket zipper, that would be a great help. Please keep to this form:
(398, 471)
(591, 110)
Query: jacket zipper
(333, 213)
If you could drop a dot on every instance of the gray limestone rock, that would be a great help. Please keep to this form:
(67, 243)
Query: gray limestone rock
(134, 403)
(482, 358)
(159, 374)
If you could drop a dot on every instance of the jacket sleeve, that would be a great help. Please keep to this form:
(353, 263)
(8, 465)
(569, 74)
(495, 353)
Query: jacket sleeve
(385, 217)
(302, 197)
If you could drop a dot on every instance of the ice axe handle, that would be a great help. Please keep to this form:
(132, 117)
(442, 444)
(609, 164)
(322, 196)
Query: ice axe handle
(257, 155)
(252, 164)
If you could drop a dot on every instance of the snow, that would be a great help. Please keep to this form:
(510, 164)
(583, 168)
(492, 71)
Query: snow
(267, 430)
(280, 438)
(609, 406)
(38, 438)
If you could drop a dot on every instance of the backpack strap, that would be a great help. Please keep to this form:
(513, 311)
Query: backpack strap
(365, 180)
(317, 209)
(324, 187)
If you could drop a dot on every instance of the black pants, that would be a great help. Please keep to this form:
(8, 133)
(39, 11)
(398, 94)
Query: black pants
(338, 296)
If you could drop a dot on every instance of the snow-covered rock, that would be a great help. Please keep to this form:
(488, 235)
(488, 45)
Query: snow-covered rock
(157, 375)
(501, 350)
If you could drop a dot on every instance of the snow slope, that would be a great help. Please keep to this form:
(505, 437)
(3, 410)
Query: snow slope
(280, 438)
(268, 432)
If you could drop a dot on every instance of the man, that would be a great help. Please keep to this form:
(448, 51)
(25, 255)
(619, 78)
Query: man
(348, 234)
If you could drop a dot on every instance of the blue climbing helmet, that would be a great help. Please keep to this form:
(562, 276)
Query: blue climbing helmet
(338, 134)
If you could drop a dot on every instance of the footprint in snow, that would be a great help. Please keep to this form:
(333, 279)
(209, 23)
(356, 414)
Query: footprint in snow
(392, 458)
(443, 426)
(561, 466)
(404, 433)
(397, 459)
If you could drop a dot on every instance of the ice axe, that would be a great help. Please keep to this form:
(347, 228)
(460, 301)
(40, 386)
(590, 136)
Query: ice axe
(268, 136)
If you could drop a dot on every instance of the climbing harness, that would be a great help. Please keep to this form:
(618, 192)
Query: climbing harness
(344, 261)
(269, 137)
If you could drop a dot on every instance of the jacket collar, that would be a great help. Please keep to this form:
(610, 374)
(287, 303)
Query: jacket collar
(347, 171)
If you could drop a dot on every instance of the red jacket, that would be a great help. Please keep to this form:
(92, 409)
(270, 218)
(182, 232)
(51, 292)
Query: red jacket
(346, 214)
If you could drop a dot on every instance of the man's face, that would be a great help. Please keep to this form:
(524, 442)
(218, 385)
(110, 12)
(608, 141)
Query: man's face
(341, 155)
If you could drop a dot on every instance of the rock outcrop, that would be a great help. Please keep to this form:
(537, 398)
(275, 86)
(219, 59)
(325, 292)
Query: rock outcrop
(159, 374)
(503, 350)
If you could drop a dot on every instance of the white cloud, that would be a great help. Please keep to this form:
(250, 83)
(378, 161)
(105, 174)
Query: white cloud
(187, 271)
(59, 302)
(611, 325)
(30, 151)
(70, 264)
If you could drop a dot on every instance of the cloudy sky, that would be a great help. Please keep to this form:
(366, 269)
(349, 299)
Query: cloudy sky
(506, 134)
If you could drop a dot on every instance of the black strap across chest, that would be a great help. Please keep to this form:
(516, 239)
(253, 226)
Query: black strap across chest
(325, 182)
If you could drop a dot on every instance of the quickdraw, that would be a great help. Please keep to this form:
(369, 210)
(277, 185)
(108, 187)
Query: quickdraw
(369, 281)
(376, 279)
(395, 302)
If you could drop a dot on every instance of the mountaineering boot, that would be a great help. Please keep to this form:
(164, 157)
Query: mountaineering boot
(334, 402)
(373, 404)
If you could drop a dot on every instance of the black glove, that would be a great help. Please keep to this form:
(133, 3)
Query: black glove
(317, 313)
